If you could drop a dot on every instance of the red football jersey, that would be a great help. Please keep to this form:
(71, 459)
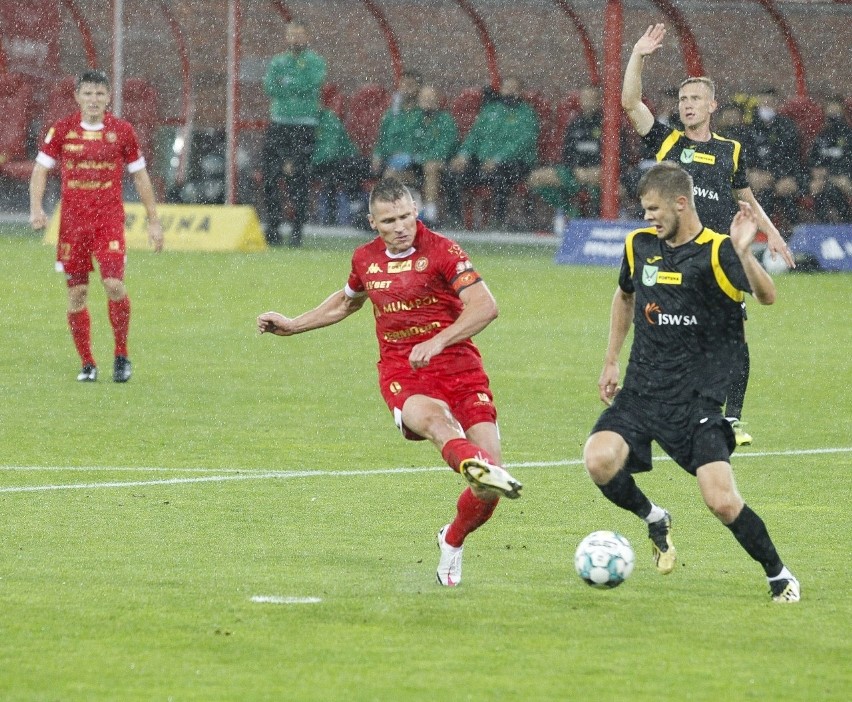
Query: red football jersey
(92, 164)
(415, 295)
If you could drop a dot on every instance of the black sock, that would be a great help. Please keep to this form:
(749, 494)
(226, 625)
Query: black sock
(752, 535)
(623, 491)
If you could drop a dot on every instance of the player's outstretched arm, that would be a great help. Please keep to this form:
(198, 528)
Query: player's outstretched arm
(335, 308)
(743, 231)
(631, 91)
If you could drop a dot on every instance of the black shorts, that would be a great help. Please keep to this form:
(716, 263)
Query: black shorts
(692, 433)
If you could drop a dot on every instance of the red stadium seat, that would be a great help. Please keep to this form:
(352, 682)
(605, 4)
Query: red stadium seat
(139, 107)
(16, 106)
(807, 114)
(465, 108)
(332, 97)
(544, 112)
(565, 112)
(367, 105)
(60, 102)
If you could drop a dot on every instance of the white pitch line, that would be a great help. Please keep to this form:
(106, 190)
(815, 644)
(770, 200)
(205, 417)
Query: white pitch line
(249, 474)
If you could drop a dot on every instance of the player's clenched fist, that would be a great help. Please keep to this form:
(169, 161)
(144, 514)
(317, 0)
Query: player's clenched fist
(274, 323)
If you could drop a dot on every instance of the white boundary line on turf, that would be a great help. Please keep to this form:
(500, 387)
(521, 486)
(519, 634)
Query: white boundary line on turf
(253, 474)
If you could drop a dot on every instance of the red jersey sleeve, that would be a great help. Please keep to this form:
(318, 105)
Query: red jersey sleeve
(456, 267)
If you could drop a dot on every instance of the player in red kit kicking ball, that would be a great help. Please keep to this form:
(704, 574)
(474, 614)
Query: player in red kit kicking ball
(428, 301)
(93, 147)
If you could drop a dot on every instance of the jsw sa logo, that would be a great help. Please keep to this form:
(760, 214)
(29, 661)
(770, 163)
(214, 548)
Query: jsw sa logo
(706, 193)
(655, 316)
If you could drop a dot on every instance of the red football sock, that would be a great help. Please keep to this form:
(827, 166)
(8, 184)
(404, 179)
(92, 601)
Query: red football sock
(119, 317)
(81, 332)
(457, 450)
(471, 514)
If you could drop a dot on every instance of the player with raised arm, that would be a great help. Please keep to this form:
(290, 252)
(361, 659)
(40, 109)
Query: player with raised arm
(720, 174)
(428, 301)
(93, 147)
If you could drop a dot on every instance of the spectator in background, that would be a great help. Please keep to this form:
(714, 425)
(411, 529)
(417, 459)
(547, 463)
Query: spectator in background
(824, 202)
(574, 186)
(832, 148)
(341, 170)
(499, 150)
(293, 81)
(435, 141)
(730, 124)
(393, 154)
(776, 171)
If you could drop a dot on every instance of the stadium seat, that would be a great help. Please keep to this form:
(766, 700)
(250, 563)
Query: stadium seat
(464, 109)
(544, 112)
(16, 106)
(564, 113)
(807, 114)
(139, 107)
(332, 97)
(60, 102)
(366, 107)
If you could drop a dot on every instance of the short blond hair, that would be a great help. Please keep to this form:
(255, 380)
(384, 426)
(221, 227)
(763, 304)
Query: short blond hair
(701, 80)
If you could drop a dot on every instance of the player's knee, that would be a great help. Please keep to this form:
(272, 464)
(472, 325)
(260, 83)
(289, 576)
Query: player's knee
(602, 458)
(724, 504)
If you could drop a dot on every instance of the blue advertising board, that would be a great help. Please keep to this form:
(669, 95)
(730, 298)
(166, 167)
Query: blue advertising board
(830, 244)
(595, 242)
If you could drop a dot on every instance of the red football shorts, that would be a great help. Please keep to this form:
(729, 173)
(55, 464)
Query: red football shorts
(467, 393)
(80, 242)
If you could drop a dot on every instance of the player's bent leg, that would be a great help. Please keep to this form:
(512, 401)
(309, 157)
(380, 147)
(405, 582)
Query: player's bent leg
(604, 454)
(719, 491)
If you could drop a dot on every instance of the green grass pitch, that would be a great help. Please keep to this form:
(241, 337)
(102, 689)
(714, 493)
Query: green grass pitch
(139, 521)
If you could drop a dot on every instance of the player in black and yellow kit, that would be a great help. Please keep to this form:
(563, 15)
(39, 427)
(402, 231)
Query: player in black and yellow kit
(719, 171)
(675, 276)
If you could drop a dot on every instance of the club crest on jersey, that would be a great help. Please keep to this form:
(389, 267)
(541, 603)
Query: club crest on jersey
(111, 137)
(687, 155)
(420, 264)
(649, 275)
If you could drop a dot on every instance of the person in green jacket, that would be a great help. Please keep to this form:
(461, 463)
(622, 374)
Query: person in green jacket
(500, 148)
(293, 81)
(341, 170)
(435, 141)
(393, 153)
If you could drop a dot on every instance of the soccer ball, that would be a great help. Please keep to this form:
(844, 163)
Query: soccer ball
(604, 559)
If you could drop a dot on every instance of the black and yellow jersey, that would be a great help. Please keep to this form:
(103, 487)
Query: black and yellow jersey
(718, 167)
(686, 316)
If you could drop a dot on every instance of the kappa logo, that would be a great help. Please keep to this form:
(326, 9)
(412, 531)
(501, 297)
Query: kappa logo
(374, 268)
